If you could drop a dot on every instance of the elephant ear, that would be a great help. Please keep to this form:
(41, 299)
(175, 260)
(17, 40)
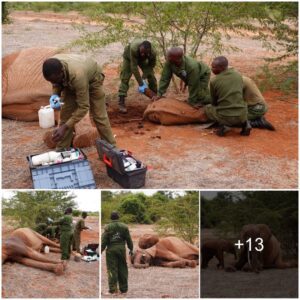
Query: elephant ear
(265, 231)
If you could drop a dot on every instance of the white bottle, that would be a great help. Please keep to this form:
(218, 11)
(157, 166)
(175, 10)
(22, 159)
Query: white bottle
(45, 158)
(46, 117)
(46, 250)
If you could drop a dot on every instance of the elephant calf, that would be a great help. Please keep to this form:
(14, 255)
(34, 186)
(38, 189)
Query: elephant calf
(215, 247)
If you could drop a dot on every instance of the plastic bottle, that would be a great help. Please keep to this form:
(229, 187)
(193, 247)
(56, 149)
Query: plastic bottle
(46, 249)
(46, 117)
(46, 158)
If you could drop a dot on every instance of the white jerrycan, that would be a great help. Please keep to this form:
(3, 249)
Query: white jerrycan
(46, 117)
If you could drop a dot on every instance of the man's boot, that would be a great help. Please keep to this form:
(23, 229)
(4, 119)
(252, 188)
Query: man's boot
(221, 131)
(246, 129)
(262, 123)
(122, 107)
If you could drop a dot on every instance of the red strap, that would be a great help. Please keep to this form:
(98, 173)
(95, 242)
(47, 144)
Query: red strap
(107, 160)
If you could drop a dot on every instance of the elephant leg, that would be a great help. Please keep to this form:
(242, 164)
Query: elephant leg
(206, 257)
(55, 250)
(58, 269)
(174, 264)
(279, 264)
(220, 257)
(242, 261)
(40, 257)
(46, 241)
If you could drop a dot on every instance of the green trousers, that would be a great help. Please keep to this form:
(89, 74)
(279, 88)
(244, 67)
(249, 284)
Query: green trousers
(66, 240)
(117, 268)
(257, 111)
(214, 115)
(98, 114)
(76, 241)
(148, 73)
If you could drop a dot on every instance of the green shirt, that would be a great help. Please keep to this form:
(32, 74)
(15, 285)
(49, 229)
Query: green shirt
(65, 223)
(116, 233)
(190, 71)
(79, 73)
(80, 226)
(131, 53)
(41, 227)
(226, 91)
(251, 93)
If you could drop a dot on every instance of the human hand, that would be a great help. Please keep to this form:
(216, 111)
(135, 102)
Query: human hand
(59, 133)
(55, 101)
(143, 87)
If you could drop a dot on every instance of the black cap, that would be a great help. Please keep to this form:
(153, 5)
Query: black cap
(68, 210)
(114, 215)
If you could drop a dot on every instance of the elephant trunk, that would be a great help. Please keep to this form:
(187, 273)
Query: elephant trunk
(140, 266)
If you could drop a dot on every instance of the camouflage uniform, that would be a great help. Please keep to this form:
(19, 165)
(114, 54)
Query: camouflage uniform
(78, 228)
(195, 75)
(257, 106)
(114, 237)
(46, 230)
(66, 235)
(228, 106)
(131, 62)
(82, 91)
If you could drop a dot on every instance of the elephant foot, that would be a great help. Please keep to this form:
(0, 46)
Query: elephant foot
(59, 269)
(192, 264)
(230, 269)
(86, 139)
(47, 138)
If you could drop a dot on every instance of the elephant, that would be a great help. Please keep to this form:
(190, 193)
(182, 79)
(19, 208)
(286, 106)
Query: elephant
(169, 252)
(24, 246)
(216, 247)
(269, 257)
(24, 91)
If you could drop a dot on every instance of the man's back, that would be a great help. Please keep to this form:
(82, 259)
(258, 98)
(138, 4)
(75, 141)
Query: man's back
(227, 93)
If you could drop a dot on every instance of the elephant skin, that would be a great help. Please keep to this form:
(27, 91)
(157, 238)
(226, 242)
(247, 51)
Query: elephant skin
(24, 91)
(269, 257)
(24, 246)
(169, 252)
(216, 247)
(169, 111)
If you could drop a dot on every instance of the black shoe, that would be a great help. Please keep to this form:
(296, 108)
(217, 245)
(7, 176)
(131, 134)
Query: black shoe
(221, 131)
(262, 123)
(122, 107)
(246, 129)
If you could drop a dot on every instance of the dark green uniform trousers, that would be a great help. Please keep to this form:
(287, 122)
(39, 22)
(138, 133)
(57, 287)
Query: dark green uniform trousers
(257, 111)
(66, 240)
(148, 73)
(76, 241)
(117, 268)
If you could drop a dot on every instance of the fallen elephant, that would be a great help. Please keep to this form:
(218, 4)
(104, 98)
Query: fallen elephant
(24, 246)
(169, 252)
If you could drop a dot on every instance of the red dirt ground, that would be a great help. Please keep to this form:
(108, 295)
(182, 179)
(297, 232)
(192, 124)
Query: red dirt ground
(80, 280)
(178, 156)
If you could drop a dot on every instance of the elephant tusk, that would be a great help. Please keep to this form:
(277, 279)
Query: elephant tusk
(249, 261)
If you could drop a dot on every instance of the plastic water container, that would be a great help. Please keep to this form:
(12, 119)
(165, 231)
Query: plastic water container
(46, 117)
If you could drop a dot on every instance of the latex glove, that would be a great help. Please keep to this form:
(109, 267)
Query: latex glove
(50, 220)
(143, 87)
(55, 102)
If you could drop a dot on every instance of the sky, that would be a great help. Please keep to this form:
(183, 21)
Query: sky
(87, 200)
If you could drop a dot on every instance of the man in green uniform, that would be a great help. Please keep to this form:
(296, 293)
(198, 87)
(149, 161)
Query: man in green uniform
(257, 106)
(194, 74)
(46, 230)
(138, 53)
(113, 239)
(78, 80)
(66, 234)
(228, 107)
(80, 225)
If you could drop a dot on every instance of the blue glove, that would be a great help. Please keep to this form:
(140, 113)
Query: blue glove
(55, 102)
(143, 87)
